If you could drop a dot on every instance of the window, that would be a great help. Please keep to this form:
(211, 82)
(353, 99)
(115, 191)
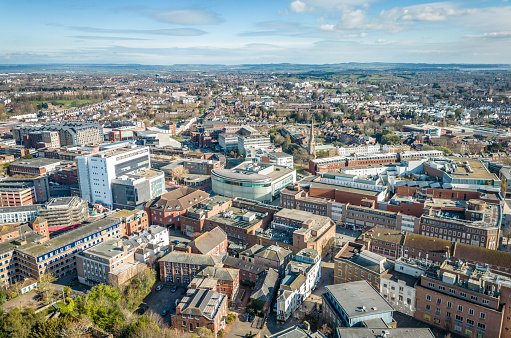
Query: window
(439, 301)
(470, 322)
(441, 288)
(448, 314)
(471, 312)
(482, 315)
(481, 326)
(452, 291)
(460, 308)
(449, 305)
(485, 301)
(428, 298)
(459, 318)
(463, 294)
(431, 285)
(474, 298)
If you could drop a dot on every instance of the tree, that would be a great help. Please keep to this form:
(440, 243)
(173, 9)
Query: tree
(286, 144)
(28, 157)
(17, 287)
(46, 287)
(203, 332)
(67, 290)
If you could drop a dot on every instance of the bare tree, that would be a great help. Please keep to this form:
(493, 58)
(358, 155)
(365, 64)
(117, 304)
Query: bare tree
(17, 287)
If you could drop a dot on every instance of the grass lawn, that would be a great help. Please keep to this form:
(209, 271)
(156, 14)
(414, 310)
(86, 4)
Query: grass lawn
(68, 103)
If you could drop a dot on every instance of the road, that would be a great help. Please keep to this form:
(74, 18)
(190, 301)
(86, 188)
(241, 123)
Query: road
(157, 301)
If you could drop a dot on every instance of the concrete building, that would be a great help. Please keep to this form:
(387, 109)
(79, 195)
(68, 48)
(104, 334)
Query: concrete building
(19, 214)
(98, 171)
(131, 191)
(260, 182)
(35, 166)
(109, 262)
(352, 304)
(253, 141)
(69, 133)
(64, 212)
(302, 275)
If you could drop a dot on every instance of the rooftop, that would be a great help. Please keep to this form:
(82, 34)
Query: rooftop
(357, 332)
(359, 299)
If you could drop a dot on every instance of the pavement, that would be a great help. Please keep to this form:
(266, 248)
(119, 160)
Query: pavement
(157, 301)
(28, 299)
(177, 235)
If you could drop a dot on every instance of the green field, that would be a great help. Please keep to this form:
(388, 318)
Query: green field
(67, 103)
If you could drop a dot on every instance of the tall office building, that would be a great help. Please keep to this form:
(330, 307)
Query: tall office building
(97, 172)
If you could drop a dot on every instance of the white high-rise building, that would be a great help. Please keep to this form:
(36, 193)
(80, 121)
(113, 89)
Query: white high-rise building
(96, 171)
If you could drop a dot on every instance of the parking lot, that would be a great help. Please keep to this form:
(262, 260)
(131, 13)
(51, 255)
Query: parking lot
(157, 301)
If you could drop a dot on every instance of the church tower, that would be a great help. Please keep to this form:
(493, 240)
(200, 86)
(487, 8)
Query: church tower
(312, 149)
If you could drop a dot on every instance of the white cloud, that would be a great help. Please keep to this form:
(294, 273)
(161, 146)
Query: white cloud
(327, 27)
(492, 35)
(381, 41)
(181, 16)
(299, 7)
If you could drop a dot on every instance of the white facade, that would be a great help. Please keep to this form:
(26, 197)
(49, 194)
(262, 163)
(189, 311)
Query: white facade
(359, 150)
(256, 141)
(228, 142)
(96, 171)
(280, 159)
(302, 275)
(21, 214)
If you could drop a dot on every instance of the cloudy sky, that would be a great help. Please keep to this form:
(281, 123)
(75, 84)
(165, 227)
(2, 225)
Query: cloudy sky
(247, 31)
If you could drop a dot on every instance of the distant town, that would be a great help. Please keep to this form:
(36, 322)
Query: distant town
(285, 203)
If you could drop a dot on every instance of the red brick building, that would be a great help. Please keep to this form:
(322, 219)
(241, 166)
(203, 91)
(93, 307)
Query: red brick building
(249, 272)
(132, 221)
(180, 267)
(211, 243)
(167, 209)
(201, 308)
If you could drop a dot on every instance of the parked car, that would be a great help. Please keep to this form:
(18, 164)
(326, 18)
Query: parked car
(175, 242)
(39, 296)
(174, 289)
(141, 310)
(159, 287)
(164, 313)
(275, 307)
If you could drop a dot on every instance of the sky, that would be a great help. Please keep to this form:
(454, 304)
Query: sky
(252, 32)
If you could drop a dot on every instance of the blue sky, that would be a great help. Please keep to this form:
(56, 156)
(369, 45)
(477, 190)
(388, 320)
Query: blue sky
(264, 31)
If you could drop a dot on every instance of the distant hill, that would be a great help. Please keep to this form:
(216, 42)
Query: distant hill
(280, 68)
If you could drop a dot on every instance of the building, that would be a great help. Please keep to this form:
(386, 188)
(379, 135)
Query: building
(180, 267)
(131, 191)
(211, 243)
(296, 230)
(167, 209)
(34, 255)
(132, 221)
(19, 214)
(272, 256)
(278, 158)
(36, 166)
(265, 289)
(151, 244)
(228, 280)
(255, 181)
(97, 171)
(397, 285)
(363, 149)
(352, 304)
(473, 222)
(64, 212)
(109, 262)
(465, 299)
(201, 308)
(239, 224)
(302, 275)
(297, 331)
(228, 142)
(252, 141)
(195, 218)
(69, 133)
(353, 263)
(250, 273)
(355, 332)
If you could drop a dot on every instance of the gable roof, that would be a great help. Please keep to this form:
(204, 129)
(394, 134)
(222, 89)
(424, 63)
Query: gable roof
(241, 264)
(219, 273)
(265, 286)
(274, 253)
(478, 254)
(427, 243)
(189, 258)
(201, 302)
(178, 199)
(209, 240)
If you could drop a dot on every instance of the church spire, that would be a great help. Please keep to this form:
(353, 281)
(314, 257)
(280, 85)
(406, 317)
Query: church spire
(312, 148)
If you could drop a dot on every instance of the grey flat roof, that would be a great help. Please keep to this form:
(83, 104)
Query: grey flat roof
(353, 296)
(351, 332)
